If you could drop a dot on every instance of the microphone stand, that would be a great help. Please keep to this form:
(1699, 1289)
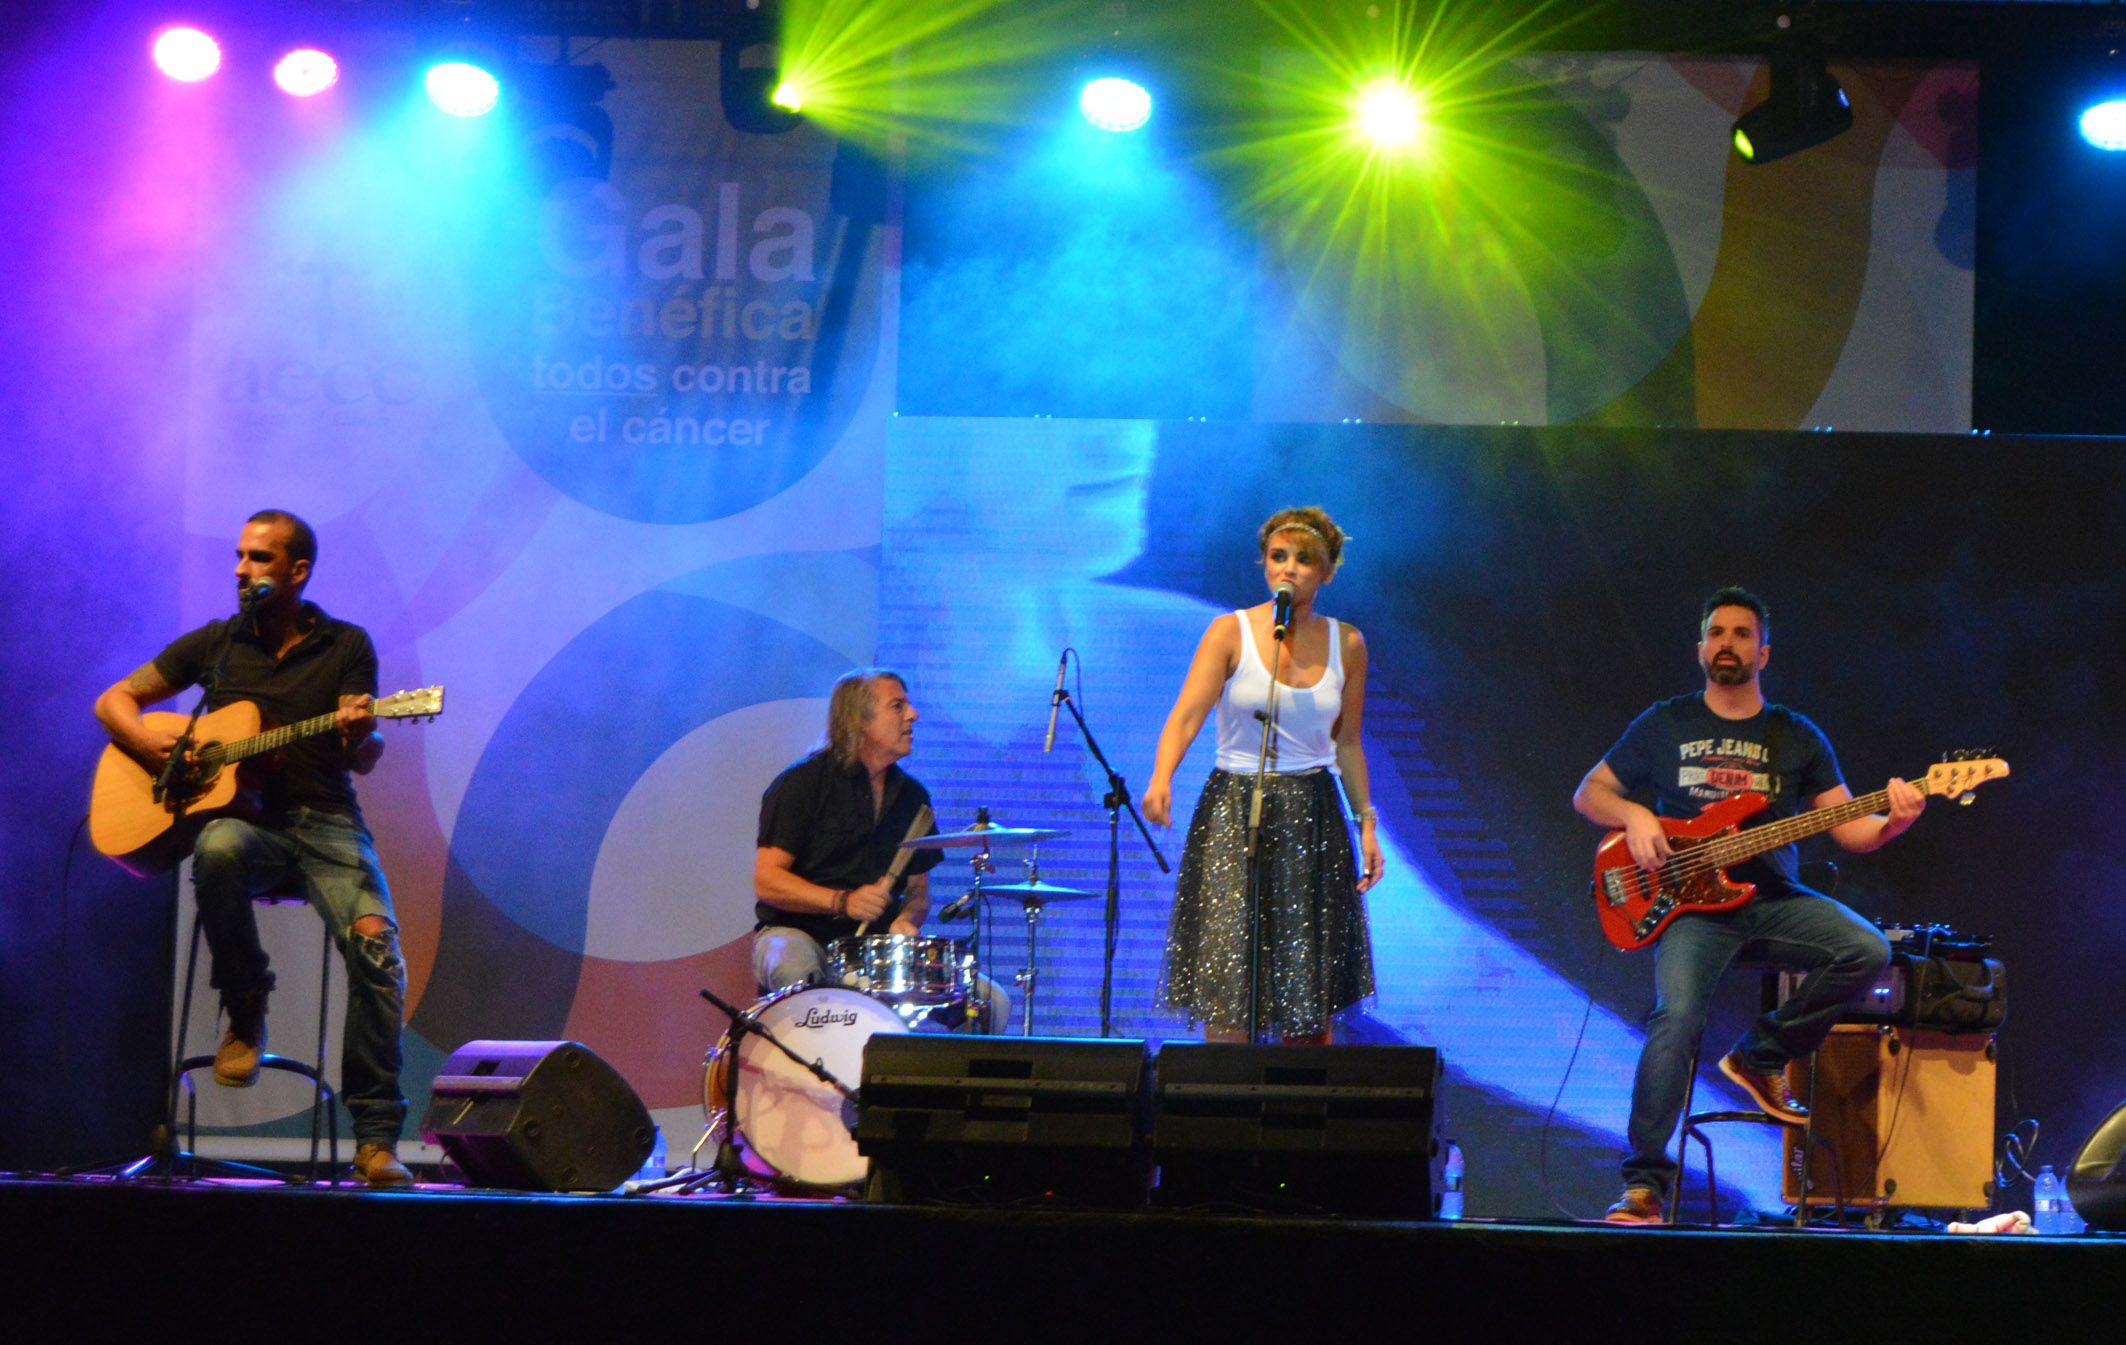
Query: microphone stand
(1116, 800)
(729, 1165)
(172, 784)
(1256, 840)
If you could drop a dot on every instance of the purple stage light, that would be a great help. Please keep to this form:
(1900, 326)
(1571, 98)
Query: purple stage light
(306, 71)
(186, 54)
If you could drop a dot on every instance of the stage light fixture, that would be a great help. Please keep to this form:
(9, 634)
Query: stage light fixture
(755, 96)
(462, 89)
(1390, 114)
(306, 71)
(2104, 124)
(186, 54)
(1113, 103)
(1804, 108)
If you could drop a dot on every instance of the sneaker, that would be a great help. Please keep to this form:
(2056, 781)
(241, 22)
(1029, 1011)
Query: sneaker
(1638, 1205)
(1767, 1090)
(379, 1165)
(236, 1059)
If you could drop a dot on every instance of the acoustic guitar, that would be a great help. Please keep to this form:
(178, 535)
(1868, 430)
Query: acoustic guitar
(147, 835)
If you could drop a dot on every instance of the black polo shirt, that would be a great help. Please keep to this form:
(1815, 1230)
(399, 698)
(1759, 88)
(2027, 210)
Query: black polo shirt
(336, 658)
(821, 814)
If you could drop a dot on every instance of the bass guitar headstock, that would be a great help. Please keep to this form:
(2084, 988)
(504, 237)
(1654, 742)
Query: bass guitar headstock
(1959, 773)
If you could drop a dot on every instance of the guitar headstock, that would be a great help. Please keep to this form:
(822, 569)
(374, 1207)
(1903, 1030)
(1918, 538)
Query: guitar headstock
(426, 702)
(1962, 772)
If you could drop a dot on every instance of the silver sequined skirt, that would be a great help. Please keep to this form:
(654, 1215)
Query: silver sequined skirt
(1314, 922)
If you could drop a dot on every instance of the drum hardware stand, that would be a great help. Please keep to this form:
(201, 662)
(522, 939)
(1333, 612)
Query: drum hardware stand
(1256, 843)
(1116, 799)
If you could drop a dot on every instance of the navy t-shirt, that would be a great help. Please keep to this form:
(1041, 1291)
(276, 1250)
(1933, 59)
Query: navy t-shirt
(1691, 757)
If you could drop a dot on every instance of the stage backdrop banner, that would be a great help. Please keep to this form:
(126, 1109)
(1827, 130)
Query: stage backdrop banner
(587, 409)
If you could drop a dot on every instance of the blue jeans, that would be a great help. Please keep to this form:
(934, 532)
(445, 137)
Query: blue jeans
(330, 859)
(1786, 924)
(785, 957)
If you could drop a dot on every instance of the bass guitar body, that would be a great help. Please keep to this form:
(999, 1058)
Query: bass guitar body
(146, 836)
(1635, 906)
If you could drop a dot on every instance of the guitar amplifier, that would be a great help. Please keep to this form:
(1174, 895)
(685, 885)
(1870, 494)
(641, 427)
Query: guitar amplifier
(1904, 1117)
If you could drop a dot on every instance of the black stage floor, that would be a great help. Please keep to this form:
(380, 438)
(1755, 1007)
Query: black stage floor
(98, 1259)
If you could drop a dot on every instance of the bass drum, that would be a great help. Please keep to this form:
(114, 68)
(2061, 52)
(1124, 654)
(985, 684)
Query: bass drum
(791, 1128)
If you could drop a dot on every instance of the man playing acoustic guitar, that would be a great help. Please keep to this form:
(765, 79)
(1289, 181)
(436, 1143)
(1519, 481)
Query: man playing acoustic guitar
(1699, 749)
(294, 662)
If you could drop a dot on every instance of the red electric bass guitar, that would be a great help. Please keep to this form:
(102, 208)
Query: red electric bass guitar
(1635, 906)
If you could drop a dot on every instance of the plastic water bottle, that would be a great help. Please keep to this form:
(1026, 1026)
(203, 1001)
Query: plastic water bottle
(2050, 1201)
(1450, 1187)
(653, 1166)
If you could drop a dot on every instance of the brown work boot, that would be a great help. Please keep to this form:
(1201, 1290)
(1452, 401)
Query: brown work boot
(379, 1165)
(1638, 1205)
(1768, 1091)
(236, 1059)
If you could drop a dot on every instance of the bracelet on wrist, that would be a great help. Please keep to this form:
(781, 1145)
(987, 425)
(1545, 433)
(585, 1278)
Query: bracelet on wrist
(841, 903)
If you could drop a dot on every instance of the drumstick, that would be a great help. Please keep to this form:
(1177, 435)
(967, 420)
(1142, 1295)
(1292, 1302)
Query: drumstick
(918, 828)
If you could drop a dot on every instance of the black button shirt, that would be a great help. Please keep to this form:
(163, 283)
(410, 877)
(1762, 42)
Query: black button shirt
(821, 814)
(336, 658)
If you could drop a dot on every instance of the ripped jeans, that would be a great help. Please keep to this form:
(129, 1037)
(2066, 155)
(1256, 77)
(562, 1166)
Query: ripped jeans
(332, 859)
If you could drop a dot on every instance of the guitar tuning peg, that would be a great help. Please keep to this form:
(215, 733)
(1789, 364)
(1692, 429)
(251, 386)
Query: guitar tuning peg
(1966, 800)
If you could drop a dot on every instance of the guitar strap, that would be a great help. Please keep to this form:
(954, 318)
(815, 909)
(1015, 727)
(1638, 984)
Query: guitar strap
(1774, 723)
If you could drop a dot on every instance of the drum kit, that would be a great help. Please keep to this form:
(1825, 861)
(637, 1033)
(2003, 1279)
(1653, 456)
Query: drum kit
(788, 1123)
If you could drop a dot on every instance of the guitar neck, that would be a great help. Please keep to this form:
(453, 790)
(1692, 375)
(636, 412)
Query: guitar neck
(1756, 841)
(274, 739)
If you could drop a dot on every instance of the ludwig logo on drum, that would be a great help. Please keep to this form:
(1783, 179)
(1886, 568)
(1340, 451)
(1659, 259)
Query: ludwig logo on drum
(827, 1018)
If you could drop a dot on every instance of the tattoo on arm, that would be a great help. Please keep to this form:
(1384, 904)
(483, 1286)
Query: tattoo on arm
(148, 684)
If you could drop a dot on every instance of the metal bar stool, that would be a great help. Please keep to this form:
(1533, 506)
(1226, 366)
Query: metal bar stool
(1694, 1124)
(323, 1114)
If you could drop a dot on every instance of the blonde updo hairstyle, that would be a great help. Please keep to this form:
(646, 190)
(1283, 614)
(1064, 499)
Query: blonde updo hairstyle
(1308, 521)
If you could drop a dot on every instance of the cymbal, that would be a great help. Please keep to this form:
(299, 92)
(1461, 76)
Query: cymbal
(1036, 892)
(987, 836)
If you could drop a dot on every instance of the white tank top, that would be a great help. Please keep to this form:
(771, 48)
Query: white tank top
(1306, 716)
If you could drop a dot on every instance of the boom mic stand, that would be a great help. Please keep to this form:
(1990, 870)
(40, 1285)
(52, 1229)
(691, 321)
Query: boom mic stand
(1116, 800)
(729, 1166)
(165, 1157)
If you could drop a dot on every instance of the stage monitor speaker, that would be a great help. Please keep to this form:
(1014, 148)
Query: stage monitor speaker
(1350, 1130)
(537, 1116)
(2097, 1181)
(1907, 1115)
(997, 1120)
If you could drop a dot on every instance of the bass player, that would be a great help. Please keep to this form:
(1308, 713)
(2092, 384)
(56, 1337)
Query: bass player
(294, 662)
(1698, 749)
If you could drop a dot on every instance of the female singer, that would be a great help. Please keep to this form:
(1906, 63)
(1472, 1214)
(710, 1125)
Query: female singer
(1314, 940)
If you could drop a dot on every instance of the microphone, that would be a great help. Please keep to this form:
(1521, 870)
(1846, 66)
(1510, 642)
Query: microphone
(257, 594)
(1281, 616)
(958, 909)
(1055, 702)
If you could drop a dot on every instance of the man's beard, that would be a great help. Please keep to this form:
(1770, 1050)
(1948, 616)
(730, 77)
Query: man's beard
(1728, 672)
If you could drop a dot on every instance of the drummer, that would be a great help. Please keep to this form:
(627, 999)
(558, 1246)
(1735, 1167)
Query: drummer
(830, 826)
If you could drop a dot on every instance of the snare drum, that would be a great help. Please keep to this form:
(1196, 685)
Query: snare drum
(904, 969)
(792, 1128)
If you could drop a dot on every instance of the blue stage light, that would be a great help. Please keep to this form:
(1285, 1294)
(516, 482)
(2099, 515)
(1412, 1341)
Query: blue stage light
(462, 89)
(1115, 104)
(2104, 125)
